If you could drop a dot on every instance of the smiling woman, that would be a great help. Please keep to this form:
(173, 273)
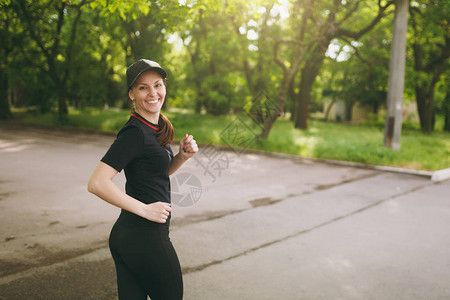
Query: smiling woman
(146, 262)
(147, 90)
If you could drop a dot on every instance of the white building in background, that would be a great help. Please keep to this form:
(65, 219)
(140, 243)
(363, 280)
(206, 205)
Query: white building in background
(360, 113)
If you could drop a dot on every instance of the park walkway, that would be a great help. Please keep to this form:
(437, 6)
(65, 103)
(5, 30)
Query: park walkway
(247, 226)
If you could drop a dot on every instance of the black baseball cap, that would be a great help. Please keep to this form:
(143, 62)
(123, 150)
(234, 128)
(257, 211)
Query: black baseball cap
(141, 66)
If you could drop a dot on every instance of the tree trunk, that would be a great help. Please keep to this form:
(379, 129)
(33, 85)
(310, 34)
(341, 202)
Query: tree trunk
(308, 77)
(274, 114)
(292, 99)
(348, 111)
(17, 96)
(5, 112)
(375, 108)
(425, 102)
(447, 112)
(62, 105)
(393, 125)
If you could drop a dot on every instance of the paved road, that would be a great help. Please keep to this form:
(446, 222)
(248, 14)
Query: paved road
(247, 226)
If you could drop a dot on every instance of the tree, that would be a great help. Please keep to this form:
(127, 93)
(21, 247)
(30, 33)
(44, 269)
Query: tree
(358, 71)
(6, 49)
(331, 20)
(142, 26)
(265, 56)
(289, 68)
(312, 25)
(44, 22)
(431, 52)
(212, 73)
(255, 27)
(92, 80)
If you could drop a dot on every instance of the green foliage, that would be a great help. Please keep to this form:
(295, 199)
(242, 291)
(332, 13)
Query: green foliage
(429, 53)
(357, 71)
(214, 57)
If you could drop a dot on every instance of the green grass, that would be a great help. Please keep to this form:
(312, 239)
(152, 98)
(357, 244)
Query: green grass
(362, 144)
(102, 120)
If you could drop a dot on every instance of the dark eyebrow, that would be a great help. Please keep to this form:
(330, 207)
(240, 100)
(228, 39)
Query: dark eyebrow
(143, 83)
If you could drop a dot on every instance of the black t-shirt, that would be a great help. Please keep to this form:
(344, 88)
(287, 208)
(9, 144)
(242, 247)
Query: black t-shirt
(145, 161)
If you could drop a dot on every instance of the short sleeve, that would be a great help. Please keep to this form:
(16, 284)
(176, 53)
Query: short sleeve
(127, 146)
(169, 150)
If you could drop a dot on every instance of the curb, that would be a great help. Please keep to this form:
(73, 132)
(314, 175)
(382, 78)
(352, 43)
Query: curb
(440, 175)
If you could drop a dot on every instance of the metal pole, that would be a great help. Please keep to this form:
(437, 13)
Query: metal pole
(396, 83)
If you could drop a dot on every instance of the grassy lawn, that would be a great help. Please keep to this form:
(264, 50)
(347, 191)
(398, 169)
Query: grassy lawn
(357, 143)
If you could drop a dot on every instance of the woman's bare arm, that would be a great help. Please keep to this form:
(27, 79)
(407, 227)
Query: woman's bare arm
(101, 185)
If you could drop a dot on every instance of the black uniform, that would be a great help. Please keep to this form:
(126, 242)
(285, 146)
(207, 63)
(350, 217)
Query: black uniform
(146, 262)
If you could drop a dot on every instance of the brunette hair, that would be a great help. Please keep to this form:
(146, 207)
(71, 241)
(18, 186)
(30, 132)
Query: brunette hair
(165, 133)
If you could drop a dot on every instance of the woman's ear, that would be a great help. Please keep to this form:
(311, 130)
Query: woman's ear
(130, 94)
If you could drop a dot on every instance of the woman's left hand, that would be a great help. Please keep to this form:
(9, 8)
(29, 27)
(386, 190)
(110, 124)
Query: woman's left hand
(188, 147)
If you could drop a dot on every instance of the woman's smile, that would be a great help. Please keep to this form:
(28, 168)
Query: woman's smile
(153, 101)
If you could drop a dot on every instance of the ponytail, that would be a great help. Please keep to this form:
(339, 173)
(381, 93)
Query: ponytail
(165, 133)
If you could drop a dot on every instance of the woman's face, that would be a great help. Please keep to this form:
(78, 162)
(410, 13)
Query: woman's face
(148, 93)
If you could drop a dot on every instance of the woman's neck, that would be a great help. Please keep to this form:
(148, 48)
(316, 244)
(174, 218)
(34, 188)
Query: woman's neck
(153, 118)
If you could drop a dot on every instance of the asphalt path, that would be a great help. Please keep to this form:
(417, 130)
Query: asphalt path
(245, 225)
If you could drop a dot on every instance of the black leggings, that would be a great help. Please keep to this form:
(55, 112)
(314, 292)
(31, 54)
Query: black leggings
(146, 262)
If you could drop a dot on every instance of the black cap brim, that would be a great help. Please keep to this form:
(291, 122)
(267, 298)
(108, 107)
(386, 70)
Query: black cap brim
(160, 71)
(141, 66)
